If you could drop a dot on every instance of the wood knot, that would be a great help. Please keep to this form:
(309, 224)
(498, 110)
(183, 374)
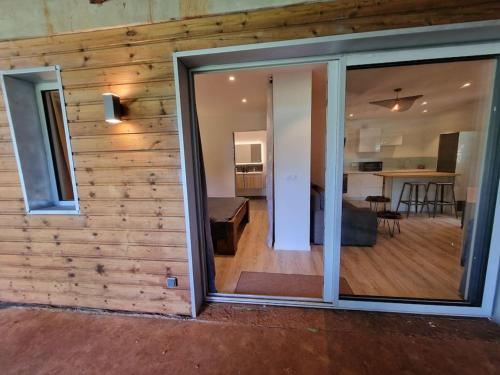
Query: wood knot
(100, 269)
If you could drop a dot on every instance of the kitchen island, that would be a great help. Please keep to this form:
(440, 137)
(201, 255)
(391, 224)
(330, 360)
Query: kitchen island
(393, 182)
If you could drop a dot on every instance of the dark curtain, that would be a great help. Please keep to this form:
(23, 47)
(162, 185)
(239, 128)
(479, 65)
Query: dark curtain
(59, 148)
(205, 231)
(270, 166)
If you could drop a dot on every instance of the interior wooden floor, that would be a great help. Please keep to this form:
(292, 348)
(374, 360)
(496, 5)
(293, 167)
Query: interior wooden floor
(423, 261)
(254, 255)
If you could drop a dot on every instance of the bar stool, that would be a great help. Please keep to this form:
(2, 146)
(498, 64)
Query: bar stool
(376, 200)
(389, 217)
(439, 194)
(412, 196)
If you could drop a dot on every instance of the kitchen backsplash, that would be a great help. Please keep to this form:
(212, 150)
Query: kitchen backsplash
(396, 163)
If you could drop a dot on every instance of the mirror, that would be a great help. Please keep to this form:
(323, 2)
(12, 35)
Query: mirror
(248, 153)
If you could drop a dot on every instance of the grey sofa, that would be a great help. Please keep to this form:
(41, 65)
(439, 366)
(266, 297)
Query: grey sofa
(359, 225)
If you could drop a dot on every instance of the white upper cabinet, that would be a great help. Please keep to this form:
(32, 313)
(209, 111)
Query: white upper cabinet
(391, 140)
(370, 140)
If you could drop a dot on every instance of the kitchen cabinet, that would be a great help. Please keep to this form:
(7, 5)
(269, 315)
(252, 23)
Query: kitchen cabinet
(254, 181)
(250, 184)
(240, 181)
(360, 185)
(455, 155)
(391, 140)
(369, 140)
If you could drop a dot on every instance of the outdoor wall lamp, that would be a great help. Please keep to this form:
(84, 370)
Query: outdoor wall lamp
(112, 108)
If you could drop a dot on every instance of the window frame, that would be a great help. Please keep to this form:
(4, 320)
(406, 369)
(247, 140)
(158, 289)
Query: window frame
(60, 207)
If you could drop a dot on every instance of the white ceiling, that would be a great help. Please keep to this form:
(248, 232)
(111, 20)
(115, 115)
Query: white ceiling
(216, 94)
(439, 83)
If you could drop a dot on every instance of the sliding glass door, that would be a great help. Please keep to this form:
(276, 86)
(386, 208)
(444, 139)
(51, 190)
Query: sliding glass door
(262, 137)
(414, 171)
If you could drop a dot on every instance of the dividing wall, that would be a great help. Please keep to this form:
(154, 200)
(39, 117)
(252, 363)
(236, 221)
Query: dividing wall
(292, 94)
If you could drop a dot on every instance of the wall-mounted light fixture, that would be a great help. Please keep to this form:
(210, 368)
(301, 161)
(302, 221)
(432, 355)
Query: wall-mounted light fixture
(112, 108)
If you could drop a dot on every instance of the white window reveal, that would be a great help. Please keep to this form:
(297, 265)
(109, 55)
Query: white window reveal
(39, 128)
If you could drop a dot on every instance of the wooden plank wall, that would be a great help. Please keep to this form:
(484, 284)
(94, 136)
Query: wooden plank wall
(130, 234)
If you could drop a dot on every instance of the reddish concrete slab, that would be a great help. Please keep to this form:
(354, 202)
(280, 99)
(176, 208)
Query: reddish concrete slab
(238, 339)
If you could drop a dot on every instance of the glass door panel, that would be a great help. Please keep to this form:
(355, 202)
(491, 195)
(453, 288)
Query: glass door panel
(415, 140)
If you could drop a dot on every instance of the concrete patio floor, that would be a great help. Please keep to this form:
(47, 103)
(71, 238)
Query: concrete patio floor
(238, 339)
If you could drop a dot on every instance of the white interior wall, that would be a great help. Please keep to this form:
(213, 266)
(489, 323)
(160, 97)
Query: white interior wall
(218, 147)
(420, 135)
(449, 108)
(292, 92)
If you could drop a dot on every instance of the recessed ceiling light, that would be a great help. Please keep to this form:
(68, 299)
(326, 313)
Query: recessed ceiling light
(232, 78)
(244, 100)
(351, 114)
(424, 103)
(466, 84)
(424, 111)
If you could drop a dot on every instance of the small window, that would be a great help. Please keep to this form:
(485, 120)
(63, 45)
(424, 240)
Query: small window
(37, 117)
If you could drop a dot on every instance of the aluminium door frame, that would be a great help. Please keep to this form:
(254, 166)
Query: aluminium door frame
(429, 306)
(433, 42)
(330, 283)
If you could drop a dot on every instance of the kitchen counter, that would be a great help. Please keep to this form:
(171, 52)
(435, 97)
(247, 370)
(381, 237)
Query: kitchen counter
(389, 182)
(414, 173)
(359, 172)
(355, 171)
(393, 182)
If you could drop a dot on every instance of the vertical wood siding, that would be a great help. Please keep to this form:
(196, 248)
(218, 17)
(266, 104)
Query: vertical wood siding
(130, 234)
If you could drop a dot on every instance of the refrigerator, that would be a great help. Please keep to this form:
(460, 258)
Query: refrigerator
(456, 155)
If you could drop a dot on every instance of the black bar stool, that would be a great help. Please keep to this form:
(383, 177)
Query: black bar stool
(439, 197)
(389, 217)
(376, 200)
(412, 200)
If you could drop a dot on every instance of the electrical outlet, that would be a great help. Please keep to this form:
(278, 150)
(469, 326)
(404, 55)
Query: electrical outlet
(171, 282)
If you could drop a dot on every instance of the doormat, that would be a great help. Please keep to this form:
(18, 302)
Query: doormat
(285, 285)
